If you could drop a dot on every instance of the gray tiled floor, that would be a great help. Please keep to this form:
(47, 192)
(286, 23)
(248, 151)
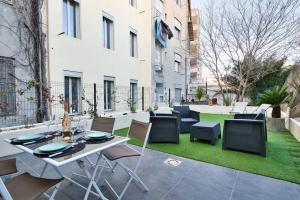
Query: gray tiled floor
(190, 180)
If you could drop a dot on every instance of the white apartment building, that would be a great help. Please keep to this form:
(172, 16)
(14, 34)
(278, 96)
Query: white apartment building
(105, 42)
(170, 55)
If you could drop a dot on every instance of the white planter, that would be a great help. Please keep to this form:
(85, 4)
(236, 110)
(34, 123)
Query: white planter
(294, 126)
(276, 124)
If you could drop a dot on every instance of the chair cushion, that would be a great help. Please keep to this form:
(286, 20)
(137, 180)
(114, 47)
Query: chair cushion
(260, 115)
(7, 167)
(119, 151)
(27, 187)
(188, 120)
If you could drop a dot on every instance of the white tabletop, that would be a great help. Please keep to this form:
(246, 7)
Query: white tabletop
(88, 150)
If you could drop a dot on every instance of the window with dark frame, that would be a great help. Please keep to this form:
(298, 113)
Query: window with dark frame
(108, 95)
(71, 18)
(108, 33)
(133, 44)
(73, 94)
(134, 93)
(7, 86)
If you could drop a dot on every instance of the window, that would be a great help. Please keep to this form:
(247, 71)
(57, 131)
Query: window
(177, 34)
(133, 3)
(178, 2)
(7, 86)
(177, 63)
(158, 57)
(109, 94)
(133, 94)
(71, 18)
(108, 33)
(73, 92)
(178, 27)
(133, 44)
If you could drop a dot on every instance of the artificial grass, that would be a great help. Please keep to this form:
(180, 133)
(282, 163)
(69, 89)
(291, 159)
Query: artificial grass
(282, 161)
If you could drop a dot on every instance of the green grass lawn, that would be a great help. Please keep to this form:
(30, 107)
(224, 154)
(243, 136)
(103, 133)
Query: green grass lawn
(282, 161)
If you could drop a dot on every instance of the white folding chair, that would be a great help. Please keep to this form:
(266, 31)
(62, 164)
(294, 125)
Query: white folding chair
(137, 130)
(239, 107)
(24, 186)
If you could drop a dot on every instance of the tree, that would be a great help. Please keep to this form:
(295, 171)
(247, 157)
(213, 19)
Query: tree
(200, 92)
(243, 32)
(27, 29)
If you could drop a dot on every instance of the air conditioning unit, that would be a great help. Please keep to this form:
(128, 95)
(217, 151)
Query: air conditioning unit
(158, 67)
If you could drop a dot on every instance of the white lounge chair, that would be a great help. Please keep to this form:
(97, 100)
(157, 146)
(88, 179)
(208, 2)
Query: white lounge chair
(264, 107)
(238, 107)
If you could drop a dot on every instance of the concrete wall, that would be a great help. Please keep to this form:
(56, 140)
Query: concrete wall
(294, 127)
(11, 47)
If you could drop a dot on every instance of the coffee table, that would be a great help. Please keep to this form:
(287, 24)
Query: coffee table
(206, 131)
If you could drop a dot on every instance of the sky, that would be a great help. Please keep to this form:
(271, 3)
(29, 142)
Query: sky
(201, 4)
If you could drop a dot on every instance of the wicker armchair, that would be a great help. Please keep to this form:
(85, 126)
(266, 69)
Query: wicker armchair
(246, 132)
(165, 128)
(187, 118)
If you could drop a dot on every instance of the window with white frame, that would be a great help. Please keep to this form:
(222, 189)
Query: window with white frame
(7, 86)
(109, 93)
(108, 32)
(133, 43)
(178, 2)
(133, 3)
(71, 25)
(73, 91)
(177, 62)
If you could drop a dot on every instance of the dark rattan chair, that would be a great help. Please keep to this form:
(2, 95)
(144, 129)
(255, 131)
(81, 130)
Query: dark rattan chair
(187, 118)
(247, 132)
(165, 128)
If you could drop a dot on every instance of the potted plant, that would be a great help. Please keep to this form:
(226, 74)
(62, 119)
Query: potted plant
(275, 96)
(200, 93)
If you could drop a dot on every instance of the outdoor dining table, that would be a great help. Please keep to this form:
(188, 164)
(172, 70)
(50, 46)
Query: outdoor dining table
(77, 157)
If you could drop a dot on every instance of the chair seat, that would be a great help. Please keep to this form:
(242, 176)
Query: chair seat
(27, 187)
(119, 151)
(8, 167)
(188, 120)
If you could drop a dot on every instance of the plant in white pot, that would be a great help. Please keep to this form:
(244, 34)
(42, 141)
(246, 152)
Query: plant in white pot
(275, 96)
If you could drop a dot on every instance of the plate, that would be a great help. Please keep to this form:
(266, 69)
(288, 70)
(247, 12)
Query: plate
(56, 146)
(96, 135)
(29, 137)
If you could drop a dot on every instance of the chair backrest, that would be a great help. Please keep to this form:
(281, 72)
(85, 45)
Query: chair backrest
(140, 131)
(184, 111)
(239, 107)
(262, 107)
(105, 124)
(4, 192)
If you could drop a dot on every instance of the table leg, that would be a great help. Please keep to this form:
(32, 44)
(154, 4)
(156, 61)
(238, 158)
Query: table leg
(92, 180)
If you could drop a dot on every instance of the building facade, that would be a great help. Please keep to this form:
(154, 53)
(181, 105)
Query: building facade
(94, 42)
(170, 50)
(195, 66)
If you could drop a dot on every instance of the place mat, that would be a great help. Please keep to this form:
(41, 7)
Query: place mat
(76, 148)
(91, 141)
(46, 139)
